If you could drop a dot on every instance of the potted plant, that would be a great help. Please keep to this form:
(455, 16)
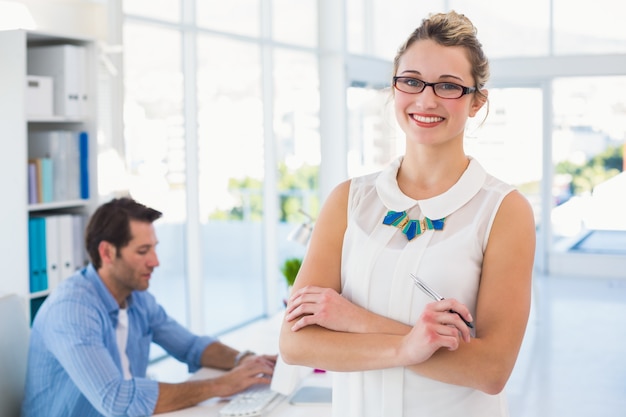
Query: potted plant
(290, 269)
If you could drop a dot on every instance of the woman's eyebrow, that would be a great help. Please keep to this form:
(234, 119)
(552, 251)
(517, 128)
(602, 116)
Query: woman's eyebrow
(414, 72)
(451, 76)
(410, 72)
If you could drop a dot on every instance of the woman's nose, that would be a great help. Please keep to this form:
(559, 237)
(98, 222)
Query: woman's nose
(427, 98)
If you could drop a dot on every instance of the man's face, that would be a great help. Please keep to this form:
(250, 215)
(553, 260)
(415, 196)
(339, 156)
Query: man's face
(131, 268)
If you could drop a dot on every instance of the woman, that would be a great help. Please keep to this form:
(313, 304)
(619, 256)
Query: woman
(434, 213)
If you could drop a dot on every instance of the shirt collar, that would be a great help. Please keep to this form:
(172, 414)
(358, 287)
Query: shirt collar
(105, 295)
(436, 207)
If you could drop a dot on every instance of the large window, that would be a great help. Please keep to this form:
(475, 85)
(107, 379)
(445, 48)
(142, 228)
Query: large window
(231, 170)
(594, 28)
(508, 143)
(232, 16)
(374, 138)
(297, 144)
(226, 105)
(378, 27)
(514, 29)
(295, 22)
(154, 138)
(508, 29)
(588, 153)
(167, 10)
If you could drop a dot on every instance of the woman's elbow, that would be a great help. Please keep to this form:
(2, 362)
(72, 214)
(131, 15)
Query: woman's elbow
(494, 386)
(288, 349)
(493, 382)
(298, 347)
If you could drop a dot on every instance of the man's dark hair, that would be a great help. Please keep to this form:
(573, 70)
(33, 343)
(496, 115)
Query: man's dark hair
(111, 223)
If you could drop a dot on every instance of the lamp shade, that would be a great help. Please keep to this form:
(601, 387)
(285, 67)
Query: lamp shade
(301, 234)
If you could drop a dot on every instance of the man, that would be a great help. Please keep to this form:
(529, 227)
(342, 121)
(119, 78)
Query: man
(90, 340)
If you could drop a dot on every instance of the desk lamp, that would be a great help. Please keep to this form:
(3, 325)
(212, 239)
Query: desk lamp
(302, 233)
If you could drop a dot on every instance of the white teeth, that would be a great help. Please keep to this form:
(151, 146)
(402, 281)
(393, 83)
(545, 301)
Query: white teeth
(427, 119)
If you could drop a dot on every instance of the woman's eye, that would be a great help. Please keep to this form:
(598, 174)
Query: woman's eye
(449, 86)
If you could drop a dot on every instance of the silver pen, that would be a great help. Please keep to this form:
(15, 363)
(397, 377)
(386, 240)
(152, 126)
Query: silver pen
(435, 296)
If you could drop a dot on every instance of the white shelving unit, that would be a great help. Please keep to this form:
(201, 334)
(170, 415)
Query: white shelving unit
(15, 127)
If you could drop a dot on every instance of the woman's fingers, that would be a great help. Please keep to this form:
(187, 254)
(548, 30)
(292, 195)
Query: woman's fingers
(455, 314)
(323, 307)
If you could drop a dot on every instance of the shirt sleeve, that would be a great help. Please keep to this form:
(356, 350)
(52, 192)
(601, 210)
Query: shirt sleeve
(174, 338)
(78, 335)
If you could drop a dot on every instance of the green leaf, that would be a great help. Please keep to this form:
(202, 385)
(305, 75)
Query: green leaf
(290, 269)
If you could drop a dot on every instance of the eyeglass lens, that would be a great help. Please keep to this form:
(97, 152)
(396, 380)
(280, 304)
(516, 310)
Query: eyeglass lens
(415, 86)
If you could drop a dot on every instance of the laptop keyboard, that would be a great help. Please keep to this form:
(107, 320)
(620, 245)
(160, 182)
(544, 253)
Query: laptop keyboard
(252, 402)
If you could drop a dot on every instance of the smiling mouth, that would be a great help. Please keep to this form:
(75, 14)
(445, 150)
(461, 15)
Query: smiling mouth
(427, 119)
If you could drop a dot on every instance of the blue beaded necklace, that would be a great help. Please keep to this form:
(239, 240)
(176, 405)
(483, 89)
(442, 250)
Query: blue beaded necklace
(412, 228)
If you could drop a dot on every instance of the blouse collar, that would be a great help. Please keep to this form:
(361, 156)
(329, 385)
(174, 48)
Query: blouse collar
(436, 207)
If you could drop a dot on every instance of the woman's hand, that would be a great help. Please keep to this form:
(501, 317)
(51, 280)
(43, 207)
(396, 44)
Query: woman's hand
(324, 307)
(438, 326)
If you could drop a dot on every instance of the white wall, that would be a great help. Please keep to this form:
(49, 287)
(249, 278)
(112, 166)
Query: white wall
(78, 18)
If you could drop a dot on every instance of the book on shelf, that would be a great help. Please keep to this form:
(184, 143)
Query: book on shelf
(66, 245)
(47, 184)
(56, 249)
(40, 181)
(38, 277)
(83, 164)
(79, 255)
(65, 175)
(53, 252)
(33, 188)
(34, 180)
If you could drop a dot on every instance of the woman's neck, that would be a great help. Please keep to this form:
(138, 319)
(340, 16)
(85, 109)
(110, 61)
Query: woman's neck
(427, 174)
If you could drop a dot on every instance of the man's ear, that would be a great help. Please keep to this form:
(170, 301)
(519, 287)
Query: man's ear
(107, 252)
(478, 102)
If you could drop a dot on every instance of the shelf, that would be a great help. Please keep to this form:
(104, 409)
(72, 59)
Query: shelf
(54, 119)
(38, 294)
(57, 205)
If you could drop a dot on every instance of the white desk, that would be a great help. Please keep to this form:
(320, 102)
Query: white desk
(210, 408)
(262, 337)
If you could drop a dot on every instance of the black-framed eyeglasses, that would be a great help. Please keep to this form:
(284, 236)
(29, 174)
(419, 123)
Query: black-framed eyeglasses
(412, 85)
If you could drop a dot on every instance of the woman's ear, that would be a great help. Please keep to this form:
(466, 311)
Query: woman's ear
(478, 101)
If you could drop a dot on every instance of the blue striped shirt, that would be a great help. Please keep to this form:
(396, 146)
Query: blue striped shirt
(74, 366)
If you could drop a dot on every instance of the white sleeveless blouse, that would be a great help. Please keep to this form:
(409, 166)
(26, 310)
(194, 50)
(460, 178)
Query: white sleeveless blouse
(376, 262)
